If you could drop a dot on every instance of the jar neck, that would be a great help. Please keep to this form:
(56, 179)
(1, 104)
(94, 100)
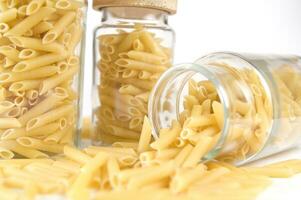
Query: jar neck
(134, 15)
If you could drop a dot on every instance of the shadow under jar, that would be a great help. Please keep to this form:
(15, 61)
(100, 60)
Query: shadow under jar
(132, 47)
(41, 55)
(231, 107)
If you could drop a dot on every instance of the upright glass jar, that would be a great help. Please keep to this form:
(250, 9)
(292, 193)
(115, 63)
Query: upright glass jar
(236, 108)
(41, 52)
(132, 47)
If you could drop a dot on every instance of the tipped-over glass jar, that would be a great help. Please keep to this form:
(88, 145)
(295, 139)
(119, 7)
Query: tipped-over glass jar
(41, 53)
(132, 47)
(232, 107)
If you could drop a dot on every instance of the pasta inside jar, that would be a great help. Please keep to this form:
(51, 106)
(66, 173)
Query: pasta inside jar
(39, 77)
(230, 107)
(130, 63)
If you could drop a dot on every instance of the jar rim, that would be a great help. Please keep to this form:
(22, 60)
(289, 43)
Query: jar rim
(196, 68)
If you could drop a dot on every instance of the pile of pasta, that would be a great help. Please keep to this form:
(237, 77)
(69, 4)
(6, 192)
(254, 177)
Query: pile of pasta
(137, 170)
(130, 63)
(39, 53)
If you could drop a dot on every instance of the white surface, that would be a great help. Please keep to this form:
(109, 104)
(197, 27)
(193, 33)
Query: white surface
(282, 188)
(203, 26)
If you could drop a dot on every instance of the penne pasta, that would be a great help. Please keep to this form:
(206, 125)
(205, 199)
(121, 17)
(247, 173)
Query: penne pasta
(68, 4)
(79, 188)
(48, 117)
(42, 27)
(32, 76)
(28, 54)
(34, 6)
(166, 140)
(9, 123)
(137, 65)
(147, 57)
(127, 63)
(145, 137)
(8, 15)
(148, 41)
(10, 52)
(56, 80)
(58, 28)
(43, 106)
(37, 44)
(40, 61)
(201, 148)
(29, 22)
(42, 72)
(40, 145)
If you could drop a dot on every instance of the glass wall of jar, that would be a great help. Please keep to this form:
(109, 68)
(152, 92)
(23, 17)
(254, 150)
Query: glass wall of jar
(232, 107)
(133, 46)
(41, 52)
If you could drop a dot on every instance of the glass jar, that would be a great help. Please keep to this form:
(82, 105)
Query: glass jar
(41, 52)
(132, 47)
(237, 107)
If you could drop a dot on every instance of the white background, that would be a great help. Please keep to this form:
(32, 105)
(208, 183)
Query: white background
(204, 26)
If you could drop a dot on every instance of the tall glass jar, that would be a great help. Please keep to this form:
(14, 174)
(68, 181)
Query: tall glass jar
(132, 47)
(41, 52)
(237, 108)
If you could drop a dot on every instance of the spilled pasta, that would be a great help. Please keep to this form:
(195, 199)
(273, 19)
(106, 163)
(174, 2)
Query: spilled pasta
(137, 170)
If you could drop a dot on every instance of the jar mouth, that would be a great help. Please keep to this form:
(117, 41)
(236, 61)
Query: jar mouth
(189, 69)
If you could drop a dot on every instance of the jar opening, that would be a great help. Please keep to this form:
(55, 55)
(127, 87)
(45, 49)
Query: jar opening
(170, 96)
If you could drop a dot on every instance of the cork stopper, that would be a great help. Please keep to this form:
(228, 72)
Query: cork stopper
(169, 6)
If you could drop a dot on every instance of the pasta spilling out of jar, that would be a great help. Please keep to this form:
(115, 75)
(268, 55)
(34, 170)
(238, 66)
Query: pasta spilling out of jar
(256, 123)
(137, 170)
(130, 64)
(39, 52)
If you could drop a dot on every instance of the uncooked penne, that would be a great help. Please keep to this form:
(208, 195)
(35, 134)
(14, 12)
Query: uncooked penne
(49, 117)
(8, 15)
(35, 77)
(39, 61)
(9, 123)
(45, 105)
(132, 65)
(166, 140)
(137, 65)
(145, 137)
(40, 145)
(147, 57)
(42, 72)
(58, 28)
(54, 81)
(30, 22)
(68, 4)
(34, 6)
(37, 44)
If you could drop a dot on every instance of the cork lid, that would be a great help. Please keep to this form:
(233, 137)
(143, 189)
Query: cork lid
(169, 6)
